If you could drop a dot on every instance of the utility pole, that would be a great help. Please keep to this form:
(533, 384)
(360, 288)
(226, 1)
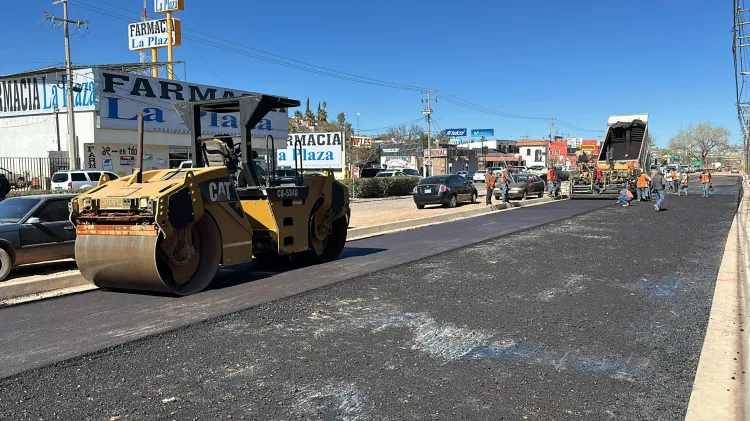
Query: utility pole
(548, 158)
(72, 150)
(428, 112)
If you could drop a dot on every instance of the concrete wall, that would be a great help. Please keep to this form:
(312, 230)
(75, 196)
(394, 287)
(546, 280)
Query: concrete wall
(529, 155)
(33, 136)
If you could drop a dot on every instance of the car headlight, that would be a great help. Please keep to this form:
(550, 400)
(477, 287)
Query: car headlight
(143, 203)
(87, 203)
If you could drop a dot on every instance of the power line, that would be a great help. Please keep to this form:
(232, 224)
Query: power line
(392, 126)
(311, 68)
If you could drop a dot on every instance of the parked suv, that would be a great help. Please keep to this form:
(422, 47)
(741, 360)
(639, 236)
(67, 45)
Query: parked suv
(67, 180)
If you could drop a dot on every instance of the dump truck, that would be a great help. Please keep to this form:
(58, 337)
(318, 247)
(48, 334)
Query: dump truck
(624, 153)
(171, 230)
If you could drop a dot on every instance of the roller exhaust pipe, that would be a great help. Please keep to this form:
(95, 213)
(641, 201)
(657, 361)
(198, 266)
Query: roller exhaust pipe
(139, 162)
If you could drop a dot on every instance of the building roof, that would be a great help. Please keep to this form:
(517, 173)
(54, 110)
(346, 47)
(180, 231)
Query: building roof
(522, 143)
(121, 67)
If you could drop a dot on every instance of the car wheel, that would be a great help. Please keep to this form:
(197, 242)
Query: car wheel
(5, 264)
(420, 206)
(474, 197)
(541, 194)
(523, 196)
(452, 202)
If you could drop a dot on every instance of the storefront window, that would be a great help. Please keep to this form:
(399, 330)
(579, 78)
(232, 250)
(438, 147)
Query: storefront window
(178, 154)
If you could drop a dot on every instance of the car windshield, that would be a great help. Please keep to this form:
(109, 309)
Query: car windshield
(12, 210)
(434, 180)
(60, 177)
(411, 172)
(521, 178)
(383, 174)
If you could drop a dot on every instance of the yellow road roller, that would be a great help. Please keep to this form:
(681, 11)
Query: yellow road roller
(170, 230)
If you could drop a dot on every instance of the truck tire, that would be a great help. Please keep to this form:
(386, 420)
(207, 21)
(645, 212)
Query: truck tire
(5, 264)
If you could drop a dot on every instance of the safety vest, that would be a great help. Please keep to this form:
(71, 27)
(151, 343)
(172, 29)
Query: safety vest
(502, 177)
(551, 175)
(706, 178)
(642, 182)
(489, 180)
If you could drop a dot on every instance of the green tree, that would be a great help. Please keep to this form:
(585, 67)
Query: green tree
(322, 113)
(309, 116)
(703, 139)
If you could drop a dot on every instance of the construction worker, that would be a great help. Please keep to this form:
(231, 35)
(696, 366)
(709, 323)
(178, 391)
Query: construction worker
(504, 183)
(625, 197)
(706, 182)
(558, 180)
(670, 181)
(642, 186)
(551, 181)
(658, 183)
(683, 183)
(489, 183)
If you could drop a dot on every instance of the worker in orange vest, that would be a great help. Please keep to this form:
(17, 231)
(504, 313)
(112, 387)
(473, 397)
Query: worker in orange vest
(642, 185)
(551, 181)
(683, 183)
(489, 184)
(706, 182)
(670, 181)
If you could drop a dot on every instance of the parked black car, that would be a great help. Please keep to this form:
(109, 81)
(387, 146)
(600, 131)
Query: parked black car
(446, 190)
(35, 229)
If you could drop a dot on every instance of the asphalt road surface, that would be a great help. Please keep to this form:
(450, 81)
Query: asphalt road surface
(587, 315)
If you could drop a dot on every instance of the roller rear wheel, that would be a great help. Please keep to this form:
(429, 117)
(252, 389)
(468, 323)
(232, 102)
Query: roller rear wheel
(331, 247)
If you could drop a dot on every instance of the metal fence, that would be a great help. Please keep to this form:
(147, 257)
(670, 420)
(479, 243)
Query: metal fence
(32, 173)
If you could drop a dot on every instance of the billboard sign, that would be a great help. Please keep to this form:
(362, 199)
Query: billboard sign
(153, 34)
(164, 6)
(455, 132)
(319, 151)
(361, 141)
(482, 132)
(42, 93)
(122, 95)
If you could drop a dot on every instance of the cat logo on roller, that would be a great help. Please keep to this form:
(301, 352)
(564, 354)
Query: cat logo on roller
(183, 224)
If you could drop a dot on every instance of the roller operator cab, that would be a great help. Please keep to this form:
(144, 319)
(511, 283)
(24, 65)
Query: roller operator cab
(171, 230)
(623, 155)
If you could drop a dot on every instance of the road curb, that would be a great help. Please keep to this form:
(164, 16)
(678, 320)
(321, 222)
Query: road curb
(41, 288)
(16, 290)
(720, 386)
(382, 229)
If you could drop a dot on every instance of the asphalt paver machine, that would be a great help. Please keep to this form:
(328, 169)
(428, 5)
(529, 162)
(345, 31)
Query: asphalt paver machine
(624, 153)
(170, 230)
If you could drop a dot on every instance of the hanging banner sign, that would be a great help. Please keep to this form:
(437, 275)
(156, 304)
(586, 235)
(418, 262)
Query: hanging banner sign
(122, 95)
(153, 34)
(319, 151)
(42, 93)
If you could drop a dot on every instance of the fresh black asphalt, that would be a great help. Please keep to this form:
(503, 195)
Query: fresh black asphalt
(596, 316)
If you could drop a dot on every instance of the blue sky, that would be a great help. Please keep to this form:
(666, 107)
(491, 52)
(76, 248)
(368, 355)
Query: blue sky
(579, 61)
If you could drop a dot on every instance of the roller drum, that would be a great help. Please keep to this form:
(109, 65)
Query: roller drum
(120, 261)
(132, 261)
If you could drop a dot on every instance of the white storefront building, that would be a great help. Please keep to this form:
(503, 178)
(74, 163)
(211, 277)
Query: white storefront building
(33, 121)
